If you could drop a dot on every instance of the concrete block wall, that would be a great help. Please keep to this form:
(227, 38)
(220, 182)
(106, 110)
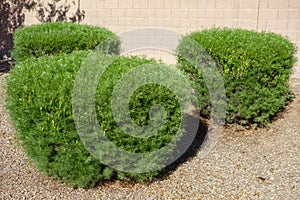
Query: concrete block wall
(183, 16)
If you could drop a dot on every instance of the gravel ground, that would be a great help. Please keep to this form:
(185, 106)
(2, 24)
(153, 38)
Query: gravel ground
(245, 164)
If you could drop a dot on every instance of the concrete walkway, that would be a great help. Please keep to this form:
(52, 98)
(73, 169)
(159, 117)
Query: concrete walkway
(296, 71)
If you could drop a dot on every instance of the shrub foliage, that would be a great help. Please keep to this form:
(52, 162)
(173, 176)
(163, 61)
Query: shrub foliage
(40, 105)
(255, 66)
(61, 37)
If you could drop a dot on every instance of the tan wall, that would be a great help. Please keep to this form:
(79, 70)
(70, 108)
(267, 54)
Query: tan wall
(280, 16)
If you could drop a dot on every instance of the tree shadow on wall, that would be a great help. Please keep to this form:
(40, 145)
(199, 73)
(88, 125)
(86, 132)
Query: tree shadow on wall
(55, 10)
(12, 17)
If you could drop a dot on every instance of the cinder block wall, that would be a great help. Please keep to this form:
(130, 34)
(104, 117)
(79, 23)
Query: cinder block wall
(280, 16)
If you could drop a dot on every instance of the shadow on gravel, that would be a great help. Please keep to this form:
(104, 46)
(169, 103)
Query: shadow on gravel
(191, 151)
(187, 155)
(4, 66)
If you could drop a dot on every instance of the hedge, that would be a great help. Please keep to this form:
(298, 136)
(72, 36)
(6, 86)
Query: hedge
(40, 105)
(255, 67)
(61, 37)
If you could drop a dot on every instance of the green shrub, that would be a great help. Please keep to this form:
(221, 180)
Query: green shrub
(255, 66)
(40, 105)
(61, 37)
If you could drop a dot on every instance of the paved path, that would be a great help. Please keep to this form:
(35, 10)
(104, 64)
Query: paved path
(296, 71)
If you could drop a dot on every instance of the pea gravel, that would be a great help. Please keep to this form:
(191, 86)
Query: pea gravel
(245, 164)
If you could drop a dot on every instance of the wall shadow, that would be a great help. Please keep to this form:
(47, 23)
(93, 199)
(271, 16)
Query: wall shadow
(11, 17)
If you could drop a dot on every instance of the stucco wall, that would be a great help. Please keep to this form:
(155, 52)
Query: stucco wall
(280, 16)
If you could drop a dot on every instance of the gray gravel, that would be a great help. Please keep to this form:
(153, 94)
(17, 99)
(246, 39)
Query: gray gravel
(246, 164)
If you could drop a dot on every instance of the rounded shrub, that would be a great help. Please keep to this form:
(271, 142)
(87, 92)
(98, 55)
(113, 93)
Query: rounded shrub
(40, 105)
(61, 37)
(255, 66)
